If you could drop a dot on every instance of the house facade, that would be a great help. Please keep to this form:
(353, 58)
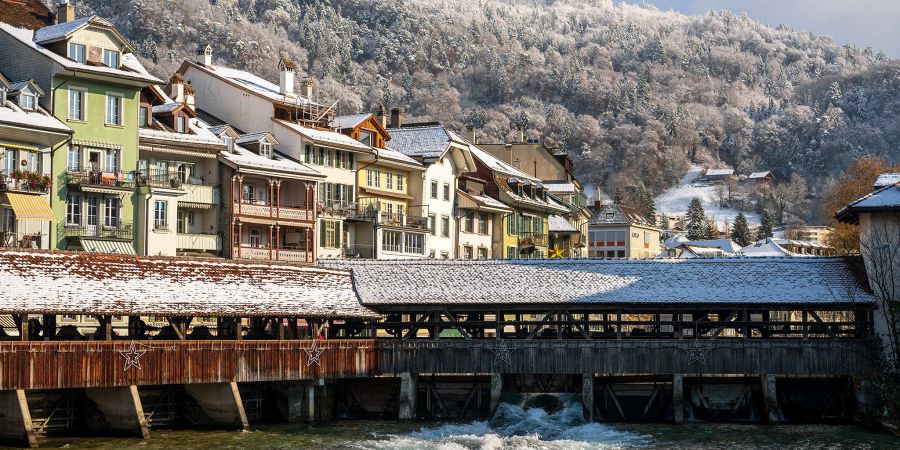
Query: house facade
(28, 137)
(93, 85)
(617, 231)
(479, 220)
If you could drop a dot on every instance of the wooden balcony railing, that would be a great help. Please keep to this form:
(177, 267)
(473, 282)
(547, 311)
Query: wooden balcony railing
(284, 211)
(273, 254)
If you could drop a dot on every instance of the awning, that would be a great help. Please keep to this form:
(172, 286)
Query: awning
(387, 193)
(107, 246)
(19, 146)
(30, 207)
(195, 205)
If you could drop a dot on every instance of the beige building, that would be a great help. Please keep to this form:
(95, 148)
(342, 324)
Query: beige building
(812, 233)
(617, 231)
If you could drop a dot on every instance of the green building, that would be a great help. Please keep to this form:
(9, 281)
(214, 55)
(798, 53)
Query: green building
(93, 83)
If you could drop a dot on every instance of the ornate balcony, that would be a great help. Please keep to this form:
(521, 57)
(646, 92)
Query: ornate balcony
(90, 177)
(25, 181)
(284, 211)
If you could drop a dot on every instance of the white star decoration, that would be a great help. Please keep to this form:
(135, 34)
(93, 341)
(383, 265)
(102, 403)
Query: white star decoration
(696, 354)
(315, 353)
(132, 357)
(503, 353)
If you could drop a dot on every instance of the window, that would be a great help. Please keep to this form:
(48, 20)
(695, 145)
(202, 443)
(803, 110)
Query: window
(482, 253)
(389, 209)
(432, 222)
(255, 237)
(482, 223)
(415, 243)
(400, 182)
(160, 215)
(389, 181)
(331, 234)
(112, 161)
(27, 101)
(326, 157)
(610, 216)
(447, 192)
(76, 52)
(377, 178)
(113, 109)
(142, 116)
(434, 189)
(111, 58)
(9, 220)
(512, 252)
(185, 221)
(265, 150)
(111, 212)
(391, 241)
(469, 222)
(32, 161)
(511, 223)
(366, 137)
(310, 155)
(180, 125)
(9, 161)
(400, 210)
(445, 226)
(468, 252)
(93, 211)
(73, 209)
(184, 171)
(73, 157)
(76, 104)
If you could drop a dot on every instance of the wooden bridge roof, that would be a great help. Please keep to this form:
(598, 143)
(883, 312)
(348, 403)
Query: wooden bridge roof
(90, 283)
(731, 281)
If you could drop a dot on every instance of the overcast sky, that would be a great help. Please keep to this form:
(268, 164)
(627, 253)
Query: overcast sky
(864, 23)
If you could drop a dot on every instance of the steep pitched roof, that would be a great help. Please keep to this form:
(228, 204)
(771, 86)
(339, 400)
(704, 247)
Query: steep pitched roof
(886, 198)
(60, 31)
(596, 281)
(84, 283)
(427, 141)
(887, 179)
(351, 121)
(621, 215)
(560, 224)
(326, 138)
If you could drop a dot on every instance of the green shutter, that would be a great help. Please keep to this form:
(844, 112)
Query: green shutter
(322, 233)
(338, 235)
(350, 160)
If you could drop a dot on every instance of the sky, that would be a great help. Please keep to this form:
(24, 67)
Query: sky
(864, 23)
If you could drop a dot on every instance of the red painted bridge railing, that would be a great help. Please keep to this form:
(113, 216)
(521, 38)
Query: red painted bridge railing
(80, 364)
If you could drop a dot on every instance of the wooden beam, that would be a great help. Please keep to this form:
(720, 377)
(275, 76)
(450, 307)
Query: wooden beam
(585, 333)
(540, 325)
(453, 320)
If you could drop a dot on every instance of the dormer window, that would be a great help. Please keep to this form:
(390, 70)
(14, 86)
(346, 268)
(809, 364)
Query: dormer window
(366, 137)
(77, 52)
(27, 101)
(265, 150)
(111, 58)
(229, 143)
(180, 124)
(610, 216)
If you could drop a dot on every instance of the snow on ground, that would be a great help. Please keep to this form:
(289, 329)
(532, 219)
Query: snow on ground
(675, 201)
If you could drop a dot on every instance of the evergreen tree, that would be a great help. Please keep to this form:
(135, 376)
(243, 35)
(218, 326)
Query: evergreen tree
(740, 233)
(696, 217)
(663, 222)
(766, 229)
(711, 231)
(647, 203)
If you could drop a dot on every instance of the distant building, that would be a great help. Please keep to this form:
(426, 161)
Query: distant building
(617, 231)
(716, 176)
(763, 178)
(813, 233)
(785, 247)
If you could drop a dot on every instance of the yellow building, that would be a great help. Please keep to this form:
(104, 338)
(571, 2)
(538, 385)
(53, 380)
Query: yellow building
(617, 231)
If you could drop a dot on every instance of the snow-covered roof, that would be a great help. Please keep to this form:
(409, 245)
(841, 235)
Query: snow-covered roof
(560, 224)
(252, 137)
(719, 172)
(26, 37)
(91, 283)
(255, 84)
(61, 30)
(886, 198)
(727, 245)
(199, 136)
(483, 201)
(244, 158)
(887, 179)
(395, 156)
(425, 141)
(756, 175)
(813, 280)
(167, 107)
(325, 137)
(10, 113)
(559, 187)
(499, 166)
(613, 214)
(765, 248)
(351, 121)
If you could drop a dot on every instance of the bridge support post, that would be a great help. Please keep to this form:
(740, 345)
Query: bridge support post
(409, 388)
(496, 392)
(220, 403)
(15, 419)
(770, 400)
(587, 396)
(290, 403)
(678, 398)
(120, 410)
(315, 395)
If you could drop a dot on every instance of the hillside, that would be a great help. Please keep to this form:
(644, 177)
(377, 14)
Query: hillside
(634, 94)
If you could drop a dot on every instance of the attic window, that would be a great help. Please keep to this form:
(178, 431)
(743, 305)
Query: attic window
(179, 124)
(229, 143)
(111, 58)
(27, 101)
(265, 149)
(366, 137)
(77, 52)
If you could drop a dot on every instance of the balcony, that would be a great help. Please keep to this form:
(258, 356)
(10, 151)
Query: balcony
(199, 242)
(400, 220)
(532, 240)
(358, 251)
(12, 239)
(200, 194)
(160, 179)
(89, 177)
(25, 181)
(273, 254)
(121, 230)
(263, 209)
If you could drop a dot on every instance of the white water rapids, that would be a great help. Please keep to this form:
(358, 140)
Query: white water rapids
(516, 428)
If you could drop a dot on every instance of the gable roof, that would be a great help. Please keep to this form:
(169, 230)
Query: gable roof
(560, 224)
(621, 215)
(886, 179)
(326, 138)
(756, 175)
(727, 245)
(886, 198)
(61, 31)
(496, 165)
(30, 84)
(256, 137)
(85, 283)
(719, 172)
(425, 141)
(351, 121)
(759, 281)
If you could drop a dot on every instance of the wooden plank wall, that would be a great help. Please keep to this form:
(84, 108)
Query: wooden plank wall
(632, 356)
(79, 364)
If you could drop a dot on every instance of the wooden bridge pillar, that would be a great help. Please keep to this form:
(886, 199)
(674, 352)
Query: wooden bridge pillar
(409, 387)
(587, 396)
(496, 392)
(220, 403)
(678, 398)
(770, 400)
(15, 419)
(121, 411)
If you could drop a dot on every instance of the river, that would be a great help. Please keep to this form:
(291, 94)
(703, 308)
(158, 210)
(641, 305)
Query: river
(512, 428)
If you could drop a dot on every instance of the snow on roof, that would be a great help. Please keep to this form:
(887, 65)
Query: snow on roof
(814, 280)
(255, 84)
(621, 215)
(206, 138)
(11, 113)
(560, 187)
(393, 155)
(168, 107)
(26, 36)
(756, 175)
(727, 245)
(351, 121)
(251, 137)
(90, 283)
(247, 159)
(499, 166)
(675, 241)
(560, 224)
(325, 137)
(719, 172)
(764, 248)
(887, 179)
(485, 201)
(61, 30)
(427, 141)
(887, 197)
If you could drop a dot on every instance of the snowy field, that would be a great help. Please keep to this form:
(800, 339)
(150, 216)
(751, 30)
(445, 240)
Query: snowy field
(675, 201)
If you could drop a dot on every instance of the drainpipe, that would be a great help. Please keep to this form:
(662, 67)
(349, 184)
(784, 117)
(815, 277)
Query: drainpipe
(147, 224)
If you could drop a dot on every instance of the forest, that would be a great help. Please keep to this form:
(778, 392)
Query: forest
(634, 94)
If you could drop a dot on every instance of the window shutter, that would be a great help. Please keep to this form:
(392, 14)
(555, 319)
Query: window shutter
(322, 234)
(338, 235)
(350, 160)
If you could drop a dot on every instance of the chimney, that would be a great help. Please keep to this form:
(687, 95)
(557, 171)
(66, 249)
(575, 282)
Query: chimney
(470, 134)
(189, 95)
(521, 134)
(286, 78)
(396, 117)
(306, 88)
(65, 12)
(176, 87)
(204, 55)
(382, 116)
